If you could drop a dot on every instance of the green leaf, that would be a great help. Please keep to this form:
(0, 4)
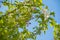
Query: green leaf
(46, 7)
(52, 13)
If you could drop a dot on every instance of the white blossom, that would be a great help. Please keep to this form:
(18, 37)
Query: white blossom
(46, 13)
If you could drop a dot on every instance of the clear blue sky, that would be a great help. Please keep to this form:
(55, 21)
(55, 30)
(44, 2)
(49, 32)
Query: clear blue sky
(53, 5)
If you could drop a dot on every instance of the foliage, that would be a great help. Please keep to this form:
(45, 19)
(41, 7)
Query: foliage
(18, 16)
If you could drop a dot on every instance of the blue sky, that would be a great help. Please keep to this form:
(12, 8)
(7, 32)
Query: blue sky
(53, 5)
